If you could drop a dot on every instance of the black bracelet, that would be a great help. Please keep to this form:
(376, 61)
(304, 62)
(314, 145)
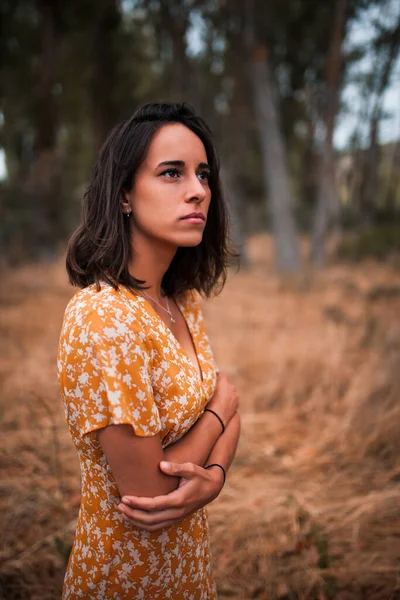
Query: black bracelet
(220, 466)
(218, 417)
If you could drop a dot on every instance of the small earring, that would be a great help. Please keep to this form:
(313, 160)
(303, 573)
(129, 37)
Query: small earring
(128, 214)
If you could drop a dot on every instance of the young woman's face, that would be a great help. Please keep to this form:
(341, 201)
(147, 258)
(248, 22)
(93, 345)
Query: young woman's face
(172, 183)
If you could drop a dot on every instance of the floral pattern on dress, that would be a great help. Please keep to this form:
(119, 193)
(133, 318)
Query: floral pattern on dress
(118, 362)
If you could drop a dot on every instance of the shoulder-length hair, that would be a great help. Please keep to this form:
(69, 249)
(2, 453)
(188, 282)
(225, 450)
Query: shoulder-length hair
(102, 246)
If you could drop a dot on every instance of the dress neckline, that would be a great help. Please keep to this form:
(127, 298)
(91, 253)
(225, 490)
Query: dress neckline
(181, 307)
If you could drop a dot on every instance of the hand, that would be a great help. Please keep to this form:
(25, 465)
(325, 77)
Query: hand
(197, 487)
(225, 400)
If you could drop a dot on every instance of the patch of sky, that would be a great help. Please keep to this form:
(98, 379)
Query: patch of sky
(356, 100)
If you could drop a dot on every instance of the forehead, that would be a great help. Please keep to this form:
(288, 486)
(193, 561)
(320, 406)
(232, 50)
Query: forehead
(175, 142)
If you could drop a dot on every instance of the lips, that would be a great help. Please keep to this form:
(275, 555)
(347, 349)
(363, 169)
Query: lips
(195, 216)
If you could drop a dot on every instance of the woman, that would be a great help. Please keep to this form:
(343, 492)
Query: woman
(154, 424)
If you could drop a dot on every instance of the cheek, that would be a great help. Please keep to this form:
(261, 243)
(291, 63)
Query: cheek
(146, 200)
(155, 194)
(152, 210)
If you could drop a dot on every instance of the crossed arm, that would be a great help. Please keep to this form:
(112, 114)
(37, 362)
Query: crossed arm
(159, 488)
(197, 486)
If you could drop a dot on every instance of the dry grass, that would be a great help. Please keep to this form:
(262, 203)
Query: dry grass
(311, 508)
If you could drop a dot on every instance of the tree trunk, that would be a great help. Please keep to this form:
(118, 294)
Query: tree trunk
(44, 180)
(234, 141)
(236, 206)
(327, 202)
(174, 18)
(275, 170)
(327, 209)
(370, 179)
(104, 70)
(309, 174)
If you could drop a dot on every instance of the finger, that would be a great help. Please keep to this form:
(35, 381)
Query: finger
(152, 504)
(172, 500)
(153, 526)
(187, 470)
(140, 502)
(151, 518)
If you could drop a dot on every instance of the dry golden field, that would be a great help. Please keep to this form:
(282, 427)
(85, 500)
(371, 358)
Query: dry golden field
(311, 507)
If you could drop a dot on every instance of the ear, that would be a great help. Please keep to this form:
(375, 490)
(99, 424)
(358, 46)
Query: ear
(126, 203)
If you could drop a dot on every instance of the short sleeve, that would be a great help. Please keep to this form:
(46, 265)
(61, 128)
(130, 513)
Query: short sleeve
(112, 374)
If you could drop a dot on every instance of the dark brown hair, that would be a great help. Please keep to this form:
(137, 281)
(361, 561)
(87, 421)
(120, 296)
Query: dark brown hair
(100, 248)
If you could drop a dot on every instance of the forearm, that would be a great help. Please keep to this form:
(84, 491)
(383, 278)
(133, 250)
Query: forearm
(196, 445)
(224, 449)
(201, 486)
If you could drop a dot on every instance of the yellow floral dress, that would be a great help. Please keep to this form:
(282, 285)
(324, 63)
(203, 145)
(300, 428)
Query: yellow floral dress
(119, 363)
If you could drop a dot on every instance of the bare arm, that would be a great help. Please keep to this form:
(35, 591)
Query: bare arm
(198, 487)
(135, 460)
(224, 450)
(197, 443)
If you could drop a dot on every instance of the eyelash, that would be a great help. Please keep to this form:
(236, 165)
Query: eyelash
(177, 172)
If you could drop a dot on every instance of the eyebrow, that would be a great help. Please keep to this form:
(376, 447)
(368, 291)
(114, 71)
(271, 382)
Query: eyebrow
(181, 163)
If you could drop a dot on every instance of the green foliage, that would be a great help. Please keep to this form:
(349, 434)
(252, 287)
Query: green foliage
(108, 57)
(97, 70)
(25, 227)
(18, 223)
(378, 242)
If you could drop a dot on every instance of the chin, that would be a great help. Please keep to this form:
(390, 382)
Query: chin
(189, 241)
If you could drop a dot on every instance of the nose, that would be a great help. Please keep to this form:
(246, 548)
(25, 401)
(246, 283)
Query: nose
(196, 191)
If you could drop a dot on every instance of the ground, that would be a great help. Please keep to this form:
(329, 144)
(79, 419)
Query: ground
(311, 507)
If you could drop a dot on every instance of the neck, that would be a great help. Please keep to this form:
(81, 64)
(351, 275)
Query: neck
(150, 261)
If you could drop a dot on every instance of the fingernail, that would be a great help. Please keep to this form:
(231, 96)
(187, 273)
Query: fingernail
(165, 465)
(125, 500)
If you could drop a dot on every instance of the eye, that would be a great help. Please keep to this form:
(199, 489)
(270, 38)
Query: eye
(168, 172)
(204, 175)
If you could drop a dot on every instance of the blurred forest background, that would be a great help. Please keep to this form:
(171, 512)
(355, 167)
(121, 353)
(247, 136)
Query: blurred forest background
(266, 76)
(296, 93)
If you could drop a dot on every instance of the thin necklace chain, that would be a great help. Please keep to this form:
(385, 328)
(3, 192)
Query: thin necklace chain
(160, 305)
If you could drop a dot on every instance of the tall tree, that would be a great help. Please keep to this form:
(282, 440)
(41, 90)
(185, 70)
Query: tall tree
(274, 157)
(171, 22)
(44, 180)
(104, 33)
(231, 115)
(327, 196)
